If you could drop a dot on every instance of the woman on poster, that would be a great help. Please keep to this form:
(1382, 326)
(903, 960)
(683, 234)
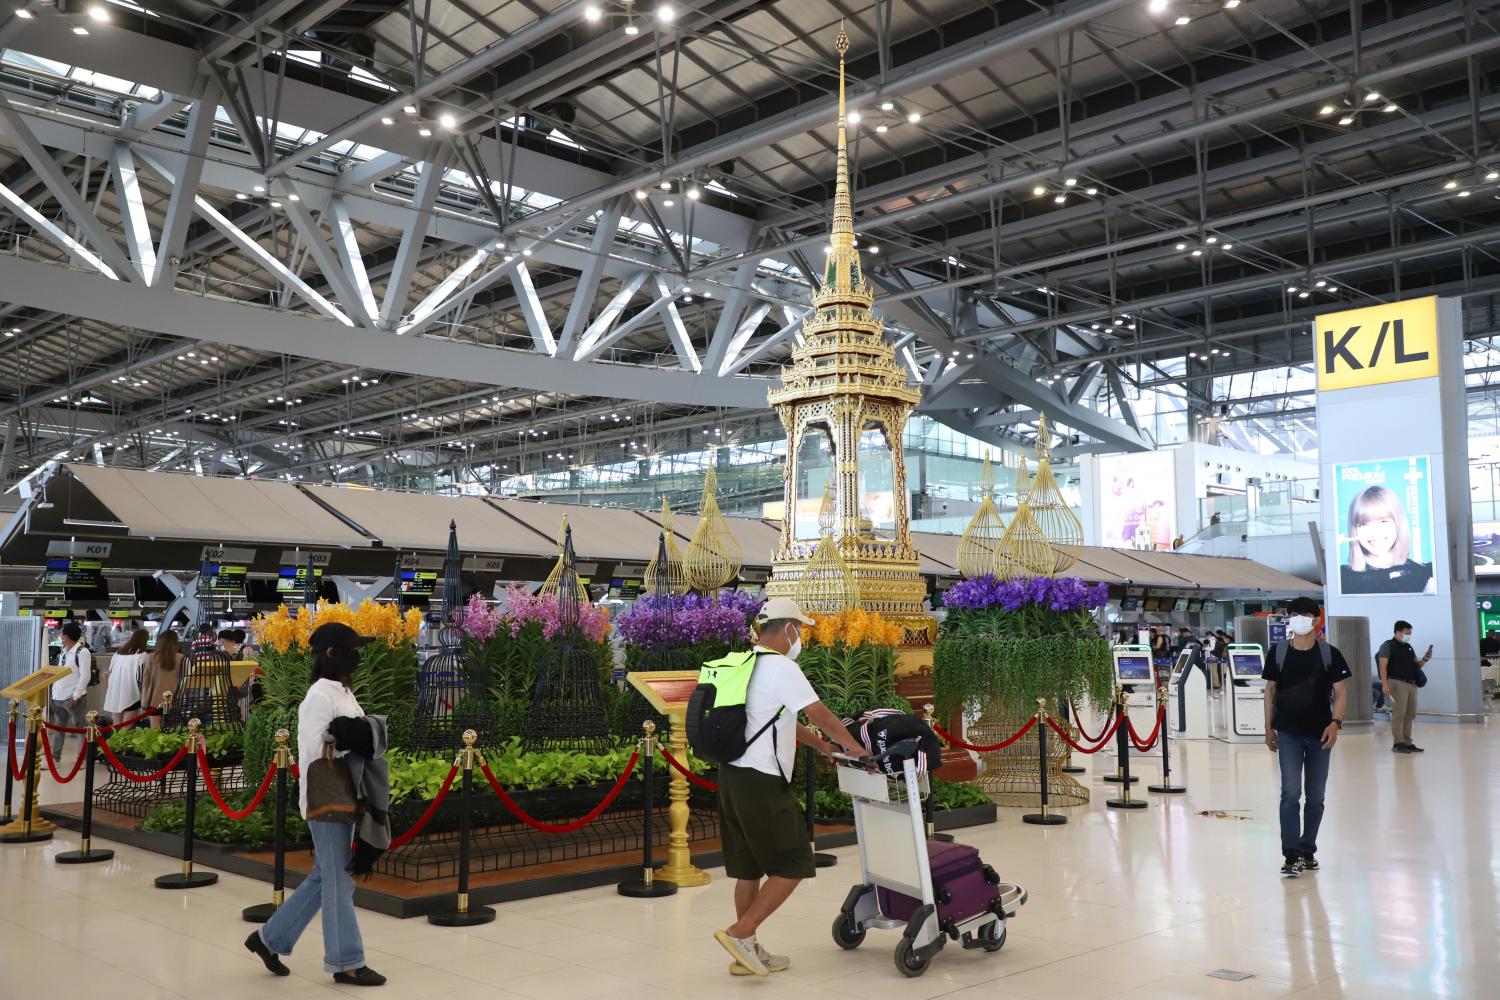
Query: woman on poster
(1380, 548)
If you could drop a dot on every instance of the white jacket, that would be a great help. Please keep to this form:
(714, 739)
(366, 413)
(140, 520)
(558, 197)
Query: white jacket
(326, 700)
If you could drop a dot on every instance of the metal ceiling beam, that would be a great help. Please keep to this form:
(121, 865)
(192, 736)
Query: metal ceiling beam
(133, 212)
(677, 332)
(180, 208)
(351, 258)
(609, 314)
(398, 288)
(589, 350)
(532, 311)
(327, 259)
(606, 226)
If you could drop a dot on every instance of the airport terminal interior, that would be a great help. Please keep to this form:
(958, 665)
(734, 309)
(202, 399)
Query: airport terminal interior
(814, 499)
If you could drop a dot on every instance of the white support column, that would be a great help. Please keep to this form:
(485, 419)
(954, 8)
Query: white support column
(676, 329)
(605, 229)
(442, 294)
(133, 212)
(531, 309)
(253, 249)
(398, 287)
(346, 242)
(185, 191)
(610, 313)
(329, 264)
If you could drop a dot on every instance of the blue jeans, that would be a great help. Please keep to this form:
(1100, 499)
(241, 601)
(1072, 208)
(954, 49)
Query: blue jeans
(328, 888)
(1304, 775)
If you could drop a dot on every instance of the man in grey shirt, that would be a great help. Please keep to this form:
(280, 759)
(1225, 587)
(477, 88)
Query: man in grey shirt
(1400, 670)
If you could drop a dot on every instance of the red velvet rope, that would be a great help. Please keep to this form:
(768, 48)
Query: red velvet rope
(426, 817)
(689, 775)
(130, 775)
(992, 747)
(213, 790)
(1073, 717)
(560, 828)
(1149, 742)
(1103, 740)
(111, 727)
(10, 754)
(52, 764)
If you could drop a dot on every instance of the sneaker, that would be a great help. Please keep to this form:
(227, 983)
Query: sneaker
(1309, 863)
(362, 976)
(256, 945)
(1413, 748)
(1292, 866)
(743, 951)
(773, 963)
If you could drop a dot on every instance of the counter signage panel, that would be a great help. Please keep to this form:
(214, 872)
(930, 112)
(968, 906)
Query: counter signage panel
(73, 573)
(418, 582)
(1180, 605)
(223, 578)
(293, 579)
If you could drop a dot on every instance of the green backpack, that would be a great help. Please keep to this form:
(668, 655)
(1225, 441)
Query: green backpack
(716, 719)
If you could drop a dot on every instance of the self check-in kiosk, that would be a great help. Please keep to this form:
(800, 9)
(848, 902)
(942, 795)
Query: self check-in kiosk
(1246, 693)
(1188, 700)
(1135, 673)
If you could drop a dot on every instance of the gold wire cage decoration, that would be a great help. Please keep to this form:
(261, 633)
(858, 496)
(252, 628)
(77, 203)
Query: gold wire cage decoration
(827, 585)
(713, 556)
(665, 570)
(1052, 514)
(554, 578)
(976, 548)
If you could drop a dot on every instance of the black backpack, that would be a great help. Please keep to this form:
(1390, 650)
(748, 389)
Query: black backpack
(716, 719)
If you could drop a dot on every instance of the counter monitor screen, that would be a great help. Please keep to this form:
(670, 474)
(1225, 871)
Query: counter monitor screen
(1209, 604)
(72, 574)
(224, 578)
(1130, 602)
(1194, 605)
(1180, 605)
(293, 579)
(1133, 667)
(418, 582)
(1246, 666)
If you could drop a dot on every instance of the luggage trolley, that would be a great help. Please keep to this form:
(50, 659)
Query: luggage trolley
(893, 856)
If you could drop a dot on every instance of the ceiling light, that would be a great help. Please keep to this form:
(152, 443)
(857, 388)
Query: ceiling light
(913, 118)
(447, 121)
(1070, 182)
(79, 29)
(526, 252)
(24, 14)
(855, 118)
(1291, 288)
(424, 132)
(1493, 175)
(1231, 4)
(1060, 199)
(1157, 6)
(1211, 240)
(1319, 283)
(1181, 246)
(1347, 120)
(887, 106)
(1198, 252)
(640, 196)
(241, 195)
(275, 204)
(873, 250)
(1303, 295)
(631, 29)
(1327, 109)
(259, 189)
(1390, 107)
(387, 120)
(882, 129)
(694, 193)
(665, 185)
(592, 13)
(665, 14)
(410, 109)
(1228, 247)
(1184, 19)
(1038, 191)
(1092, 191)
(1372, 97)
(295, 197)
(99, 14)
(1464, 193)
(668, 203)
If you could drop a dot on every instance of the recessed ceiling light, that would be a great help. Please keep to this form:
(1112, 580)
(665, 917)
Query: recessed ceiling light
(24, 14)
(1347, 120)
(1390, 107)
(665, 13)
(592, 13)
(424, 132)
(447, 121)
(882, 129)
(1184, 19)
(887, 106)
(1327, 109)
(914, 117)
(854, 118)
(99, 14)
(410, 109)
(79, 29)
(387, 120)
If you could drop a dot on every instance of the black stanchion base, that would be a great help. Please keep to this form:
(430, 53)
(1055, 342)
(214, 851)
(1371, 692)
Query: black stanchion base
(35, 837)
(472, 917)
(1125, 804)
(942, 838)
(1115, 779)
(196, 880)
(1050, 819)
(1075, 770)
(1166, 789)
(638, 889)
(259, 913)
(822, 859)
(88, 857)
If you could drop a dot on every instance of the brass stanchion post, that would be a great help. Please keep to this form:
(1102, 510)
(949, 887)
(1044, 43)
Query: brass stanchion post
(1166, 787)
(1122, 773)
(1122, 744)
(187, 878)
(1045, 817)
(261, 912)
(928, 812)
(10, 752)
(648, 886)
(1067, 720)
(29, 831)
(86, 855)
(462, 914)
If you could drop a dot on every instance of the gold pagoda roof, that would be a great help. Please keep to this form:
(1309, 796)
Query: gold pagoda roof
(845, 350)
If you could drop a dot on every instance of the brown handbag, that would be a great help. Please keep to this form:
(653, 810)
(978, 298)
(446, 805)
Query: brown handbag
(330, 790)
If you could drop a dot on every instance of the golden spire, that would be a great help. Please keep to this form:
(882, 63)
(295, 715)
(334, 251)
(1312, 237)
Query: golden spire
(843, 211)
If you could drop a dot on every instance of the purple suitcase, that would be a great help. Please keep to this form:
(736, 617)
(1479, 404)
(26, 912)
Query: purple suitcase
(963, 885)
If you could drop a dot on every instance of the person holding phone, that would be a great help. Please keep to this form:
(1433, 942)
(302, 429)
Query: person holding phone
(1400, 678)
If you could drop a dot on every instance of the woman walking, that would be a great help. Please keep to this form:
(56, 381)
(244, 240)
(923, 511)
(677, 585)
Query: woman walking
(122, 678)
(162, 669)
(329, 888)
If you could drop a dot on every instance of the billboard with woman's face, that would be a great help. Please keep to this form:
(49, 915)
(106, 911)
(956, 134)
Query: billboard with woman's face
(1383, 515)
(1137, 501)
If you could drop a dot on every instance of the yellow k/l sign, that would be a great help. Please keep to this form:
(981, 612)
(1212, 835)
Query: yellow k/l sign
(1378, 344)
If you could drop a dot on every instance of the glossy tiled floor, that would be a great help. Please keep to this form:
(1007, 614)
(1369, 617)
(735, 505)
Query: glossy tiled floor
(1141, 905)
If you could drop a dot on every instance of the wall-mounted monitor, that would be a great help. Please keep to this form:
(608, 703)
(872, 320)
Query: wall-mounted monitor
(1195, 605)
(418, 582)
(1209, 604)
(1130, 602)
(223, 578)
(292, 580)
(1180, 605)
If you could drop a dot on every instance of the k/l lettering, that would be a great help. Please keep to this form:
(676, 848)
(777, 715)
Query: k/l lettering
(1334, 350)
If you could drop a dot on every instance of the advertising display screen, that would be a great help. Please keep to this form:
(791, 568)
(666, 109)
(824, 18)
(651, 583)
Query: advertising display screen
(1137, 505)
(1487, 548)
(1382, 511)
(1130, 667)
(1246, 665)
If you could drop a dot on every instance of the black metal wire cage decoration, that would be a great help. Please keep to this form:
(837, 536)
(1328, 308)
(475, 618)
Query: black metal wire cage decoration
(567, 707)
(451, 695)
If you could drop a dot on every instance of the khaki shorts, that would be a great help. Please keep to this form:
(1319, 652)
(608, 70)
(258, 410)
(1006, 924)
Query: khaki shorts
(761, 826)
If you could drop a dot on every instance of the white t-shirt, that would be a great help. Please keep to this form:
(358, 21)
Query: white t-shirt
(124, 681)
(79, 662)
(778, 683)
(326, 700)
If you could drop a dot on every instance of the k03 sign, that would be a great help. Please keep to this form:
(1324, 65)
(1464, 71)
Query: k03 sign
(1378, 344)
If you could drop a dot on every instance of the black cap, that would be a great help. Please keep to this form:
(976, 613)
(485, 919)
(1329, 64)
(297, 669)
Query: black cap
(337, 635)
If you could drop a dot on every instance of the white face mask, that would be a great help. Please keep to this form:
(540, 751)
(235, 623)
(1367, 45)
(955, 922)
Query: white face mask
(1406, 638)
(796, 648)
(1299, 624)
